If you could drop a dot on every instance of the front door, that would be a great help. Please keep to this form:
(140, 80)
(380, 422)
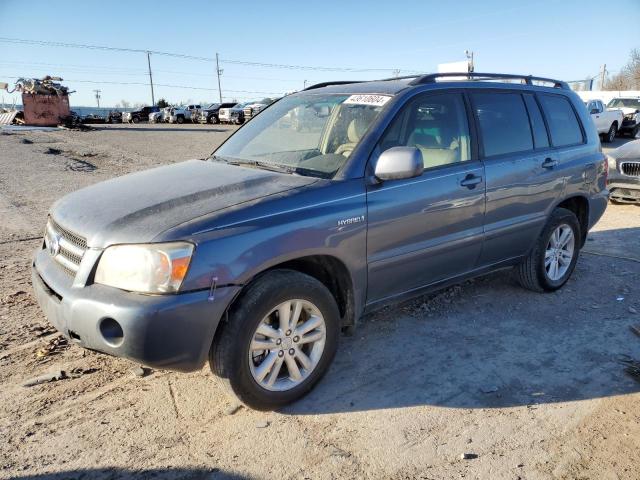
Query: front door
(429, 228)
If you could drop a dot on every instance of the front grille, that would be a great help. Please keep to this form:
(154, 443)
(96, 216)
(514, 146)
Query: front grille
(66, 248)
(630, 168)
(247, 112)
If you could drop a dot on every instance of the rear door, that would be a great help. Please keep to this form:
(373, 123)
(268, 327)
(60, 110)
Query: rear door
(426, 229)
(523, 171)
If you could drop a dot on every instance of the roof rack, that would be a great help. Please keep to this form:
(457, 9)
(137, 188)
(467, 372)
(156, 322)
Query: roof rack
(527, 79)
(327, 84)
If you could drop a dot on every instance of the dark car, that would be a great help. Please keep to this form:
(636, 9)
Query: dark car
(93, 118)
(624, 173)
(256, 259)
(141, 115)
(210, 114)
(114, 116)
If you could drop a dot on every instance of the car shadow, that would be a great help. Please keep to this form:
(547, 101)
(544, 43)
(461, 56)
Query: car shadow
(176, 128)
(123, 473)
(488, 343)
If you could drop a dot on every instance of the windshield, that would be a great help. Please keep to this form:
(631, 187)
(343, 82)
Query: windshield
(625, 103)
(306, 134)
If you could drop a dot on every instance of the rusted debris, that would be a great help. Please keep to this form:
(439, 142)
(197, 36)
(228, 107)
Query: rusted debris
(55, 345)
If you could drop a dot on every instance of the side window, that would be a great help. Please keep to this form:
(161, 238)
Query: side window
(599, 106)
(540, 137)
(563, 123)
(504, 124)
(435, 124)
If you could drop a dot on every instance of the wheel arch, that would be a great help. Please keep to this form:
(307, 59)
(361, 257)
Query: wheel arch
(328, 270)
(579, 205)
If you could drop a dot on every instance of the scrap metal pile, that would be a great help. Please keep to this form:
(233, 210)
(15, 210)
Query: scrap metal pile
(45, 101)
(46, 86)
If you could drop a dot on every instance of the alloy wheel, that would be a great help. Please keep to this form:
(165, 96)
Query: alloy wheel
(287, 345)
(559, 252)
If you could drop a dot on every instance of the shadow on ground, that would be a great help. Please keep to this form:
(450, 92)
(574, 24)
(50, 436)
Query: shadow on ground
(120, 473)
(175, 129)
(495, 344)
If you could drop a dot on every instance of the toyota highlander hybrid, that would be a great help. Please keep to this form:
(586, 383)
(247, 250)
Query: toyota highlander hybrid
(255, 259)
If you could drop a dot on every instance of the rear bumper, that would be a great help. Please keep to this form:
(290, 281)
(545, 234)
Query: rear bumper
(597, 206)
(164, 331)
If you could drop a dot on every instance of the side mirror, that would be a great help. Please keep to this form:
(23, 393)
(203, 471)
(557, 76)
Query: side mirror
(398, 163)
(594, 111)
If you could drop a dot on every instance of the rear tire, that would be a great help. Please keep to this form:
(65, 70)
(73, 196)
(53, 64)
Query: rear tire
(135, 120)
(233, 359)
(610, 136)
(537, 272)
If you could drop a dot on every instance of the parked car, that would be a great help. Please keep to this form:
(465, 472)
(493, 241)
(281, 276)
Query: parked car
(607, 122)
(114, 116)
(210, 114)
(183, 114)
(93, 118)
(253, 109)
(156, 117)
(624, 173)
(137, 116)
(255, 259)
(233, 114)
(631, 109)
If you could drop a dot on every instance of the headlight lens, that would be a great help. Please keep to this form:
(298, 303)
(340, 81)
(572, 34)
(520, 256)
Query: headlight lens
(612, 163)
(145, 268)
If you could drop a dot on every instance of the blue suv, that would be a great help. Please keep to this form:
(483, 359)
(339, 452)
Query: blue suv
(332, 202)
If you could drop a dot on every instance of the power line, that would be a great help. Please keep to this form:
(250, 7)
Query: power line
(146, 84)
(192, 57)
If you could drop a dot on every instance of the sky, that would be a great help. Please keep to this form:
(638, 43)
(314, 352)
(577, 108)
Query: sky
(564, 39)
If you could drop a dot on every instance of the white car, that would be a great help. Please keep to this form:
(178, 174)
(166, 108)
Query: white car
(183, 114)
(630, 108)
(607, 121)
(155, 117)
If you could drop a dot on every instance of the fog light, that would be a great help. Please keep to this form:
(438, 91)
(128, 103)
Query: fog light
(111, 332)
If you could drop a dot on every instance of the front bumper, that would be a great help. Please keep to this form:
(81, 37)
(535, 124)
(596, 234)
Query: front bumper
(164, 331)
(627, 125)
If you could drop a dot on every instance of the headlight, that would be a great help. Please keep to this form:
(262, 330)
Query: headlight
(145, 268)
(612, 163)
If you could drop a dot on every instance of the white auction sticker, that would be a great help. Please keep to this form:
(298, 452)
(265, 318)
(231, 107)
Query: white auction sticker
(375, 100)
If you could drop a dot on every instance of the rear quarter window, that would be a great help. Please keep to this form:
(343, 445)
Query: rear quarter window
(561, 118)
(504, 124)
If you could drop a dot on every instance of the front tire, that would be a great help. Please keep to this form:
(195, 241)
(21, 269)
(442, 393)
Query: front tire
(555, 254)
(279, 341)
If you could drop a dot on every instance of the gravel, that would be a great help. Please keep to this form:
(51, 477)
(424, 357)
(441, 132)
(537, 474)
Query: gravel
(404, 395)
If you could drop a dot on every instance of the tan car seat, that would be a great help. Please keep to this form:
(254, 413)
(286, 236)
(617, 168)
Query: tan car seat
(355, 131)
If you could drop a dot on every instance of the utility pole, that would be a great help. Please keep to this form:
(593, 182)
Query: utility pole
(469, 55)
(153, 100)
(304, 85)
(98, 97)
(218, 72)
(603, 75)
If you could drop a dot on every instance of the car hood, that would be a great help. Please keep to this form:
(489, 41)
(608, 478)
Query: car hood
(628, 151)
(627, 110)
(136, 208)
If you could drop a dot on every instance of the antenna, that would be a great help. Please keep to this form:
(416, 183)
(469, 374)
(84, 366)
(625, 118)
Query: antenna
(98, 96)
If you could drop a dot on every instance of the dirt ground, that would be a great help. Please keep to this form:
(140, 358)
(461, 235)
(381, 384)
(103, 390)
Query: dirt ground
(530, 385)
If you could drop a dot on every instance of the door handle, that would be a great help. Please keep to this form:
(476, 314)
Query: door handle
(549, 163)
(470, 181)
